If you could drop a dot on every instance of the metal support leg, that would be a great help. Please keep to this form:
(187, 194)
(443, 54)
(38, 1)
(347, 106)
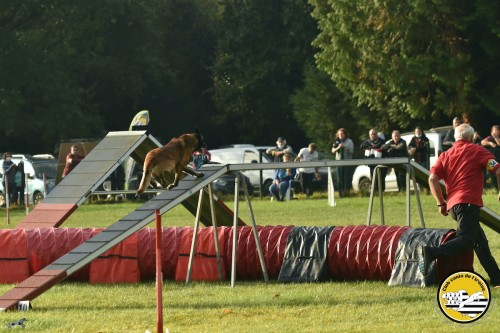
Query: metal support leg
(376, 178)
(235, 232)
(255, 232)
(195, 236)
(216, 232)
(419, 205)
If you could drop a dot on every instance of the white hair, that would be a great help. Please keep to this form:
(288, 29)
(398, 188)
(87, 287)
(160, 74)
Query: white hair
(464, 132)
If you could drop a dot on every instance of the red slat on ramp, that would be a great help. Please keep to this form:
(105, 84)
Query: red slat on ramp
(30, 288)
(47, 215)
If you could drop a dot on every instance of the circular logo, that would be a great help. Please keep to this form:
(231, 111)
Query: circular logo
(464, 297)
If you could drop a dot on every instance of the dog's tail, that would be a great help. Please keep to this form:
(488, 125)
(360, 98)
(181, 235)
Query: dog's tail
(146, 176)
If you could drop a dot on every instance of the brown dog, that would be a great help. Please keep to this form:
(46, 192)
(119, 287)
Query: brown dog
(173, 157)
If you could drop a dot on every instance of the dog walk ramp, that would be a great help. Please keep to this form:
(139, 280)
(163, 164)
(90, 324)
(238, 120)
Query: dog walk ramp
(486, 215)
(82, 255)
(87, 176)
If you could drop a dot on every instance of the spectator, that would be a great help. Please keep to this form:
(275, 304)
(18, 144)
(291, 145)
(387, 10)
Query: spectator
(9, 173)
(492, 143)
(280, 149)
(200, 158)
(21, 182)
(72, 160)
(343, 149)
(373, 149)
(397, 148)
(307, 174)
(450, 135)
(419, 148)
(282, 178)
(460, 168)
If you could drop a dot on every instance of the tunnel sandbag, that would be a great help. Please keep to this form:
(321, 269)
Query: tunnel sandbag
(118, 264)
(363, 252)
(406, 271)
(14, 265)
(306, 255)
(205, 266)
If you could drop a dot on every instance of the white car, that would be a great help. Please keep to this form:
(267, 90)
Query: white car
(246, 153)
(361, 180)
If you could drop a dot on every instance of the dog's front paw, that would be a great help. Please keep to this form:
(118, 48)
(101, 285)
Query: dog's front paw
(200, 174)
(171, 186)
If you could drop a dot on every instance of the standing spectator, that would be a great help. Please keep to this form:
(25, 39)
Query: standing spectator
(307, 174)
(280, 149)
(492, 143)
(343, 148)
(450, 135)
(373, 149)
(21, 182)
(461, 167)
(397, 148)
(282, 178)
(419, 148)
(9, 173)
(72, 160)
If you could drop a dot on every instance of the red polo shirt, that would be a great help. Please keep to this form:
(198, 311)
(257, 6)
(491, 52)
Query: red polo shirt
(462, 169)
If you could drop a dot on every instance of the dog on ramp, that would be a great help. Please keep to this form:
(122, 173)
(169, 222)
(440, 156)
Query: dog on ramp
(171, 158)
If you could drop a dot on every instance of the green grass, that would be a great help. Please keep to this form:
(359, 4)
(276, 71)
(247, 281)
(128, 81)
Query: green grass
(363, 306)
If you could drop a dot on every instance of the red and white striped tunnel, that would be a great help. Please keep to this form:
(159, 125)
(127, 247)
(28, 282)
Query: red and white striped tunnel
(354, 253)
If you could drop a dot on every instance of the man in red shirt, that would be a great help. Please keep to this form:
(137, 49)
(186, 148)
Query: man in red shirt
(72, 160)
(462, 169)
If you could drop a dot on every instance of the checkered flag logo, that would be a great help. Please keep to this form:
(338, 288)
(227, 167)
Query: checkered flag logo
(460, 301)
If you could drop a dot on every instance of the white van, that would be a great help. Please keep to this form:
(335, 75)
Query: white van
(361, 180)
(246, 153)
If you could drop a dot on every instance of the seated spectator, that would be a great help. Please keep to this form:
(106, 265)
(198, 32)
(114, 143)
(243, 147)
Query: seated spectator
(282, 178)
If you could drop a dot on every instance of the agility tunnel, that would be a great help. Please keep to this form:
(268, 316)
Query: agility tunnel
(292, 254)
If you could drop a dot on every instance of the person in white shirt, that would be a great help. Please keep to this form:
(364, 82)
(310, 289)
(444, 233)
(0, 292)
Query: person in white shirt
(307, 174)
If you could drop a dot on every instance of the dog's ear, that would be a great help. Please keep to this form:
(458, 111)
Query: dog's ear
(196, 130)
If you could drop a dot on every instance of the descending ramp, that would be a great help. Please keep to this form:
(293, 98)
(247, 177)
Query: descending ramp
(92, 171)
(487, 216)
(97, 245)
(87, 176)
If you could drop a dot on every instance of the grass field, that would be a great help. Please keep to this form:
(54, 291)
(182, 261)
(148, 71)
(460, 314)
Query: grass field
(255, 306)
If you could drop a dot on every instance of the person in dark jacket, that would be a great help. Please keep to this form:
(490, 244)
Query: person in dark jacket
(373, 149)
(397, 148)
(9, 174)
(419, 148)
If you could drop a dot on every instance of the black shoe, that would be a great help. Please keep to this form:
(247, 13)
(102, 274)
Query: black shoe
(425, 260)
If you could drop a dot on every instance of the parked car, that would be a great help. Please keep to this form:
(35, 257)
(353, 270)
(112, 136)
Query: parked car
(361, 180)
(35, 167)
(225, 183)
(246, 153)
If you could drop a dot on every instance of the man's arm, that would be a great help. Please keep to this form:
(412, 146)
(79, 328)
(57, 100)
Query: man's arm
(498, 180)
(437, 193)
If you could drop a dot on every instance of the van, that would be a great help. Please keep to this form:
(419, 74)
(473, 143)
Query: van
(361, 179)
(247, 153)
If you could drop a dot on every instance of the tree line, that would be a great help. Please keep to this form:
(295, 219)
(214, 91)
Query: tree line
(244, 71)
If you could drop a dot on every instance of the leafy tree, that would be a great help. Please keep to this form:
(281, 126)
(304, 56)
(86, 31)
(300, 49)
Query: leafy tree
(262, 48)
(408, 62)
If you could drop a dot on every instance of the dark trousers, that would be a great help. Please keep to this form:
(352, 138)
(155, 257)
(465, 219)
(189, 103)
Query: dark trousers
(400, 179)
(469, 235)
(306, 182)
